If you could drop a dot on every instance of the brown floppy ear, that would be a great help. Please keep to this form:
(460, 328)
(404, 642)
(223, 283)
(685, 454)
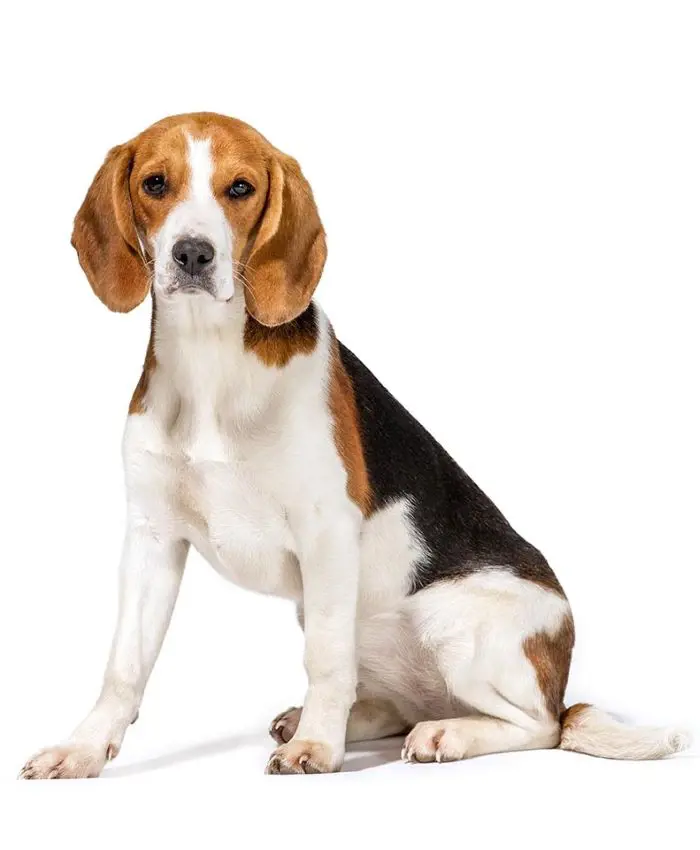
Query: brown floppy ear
(105, 238)
(289, 250)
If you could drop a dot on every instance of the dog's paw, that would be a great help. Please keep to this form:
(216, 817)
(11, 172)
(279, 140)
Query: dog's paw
(284, 726)
(68, 761)
(435, 740)
(303, 757)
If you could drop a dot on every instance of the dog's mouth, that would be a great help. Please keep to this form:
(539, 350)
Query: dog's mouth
(191, 288)
(195, 289)
(213, 283)
(191, 285)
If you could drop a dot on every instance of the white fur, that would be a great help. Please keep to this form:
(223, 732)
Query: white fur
(199, 215)
(238, 459)
(597, 733)
(387, 539)
(459, 643)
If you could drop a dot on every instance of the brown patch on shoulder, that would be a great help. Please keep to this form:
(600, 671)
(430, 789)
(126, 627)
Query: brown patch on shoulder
(276, 346)
(348, 439)
(551, 658)
(137, 404)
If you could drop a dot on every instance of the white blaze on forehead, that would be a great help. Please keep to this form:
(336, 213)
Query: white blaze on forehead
(199, 215)
(201, 169)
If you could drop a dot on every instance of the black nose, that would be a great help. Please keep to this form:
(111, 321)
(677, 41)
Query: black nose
(193, 255)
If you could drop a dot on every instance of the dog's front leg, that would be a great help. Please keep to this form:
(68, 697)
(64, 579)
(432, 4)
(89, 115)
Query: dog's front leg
(150, 575)
(329, 560)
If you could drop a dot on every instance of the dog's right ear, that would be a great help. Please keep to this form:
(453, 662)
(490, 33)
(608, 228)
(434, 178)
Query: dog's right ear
(104, 235)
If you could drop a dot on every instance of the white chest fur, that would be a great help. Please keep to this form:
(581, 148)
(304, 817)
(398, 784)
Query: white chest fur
(229, 451)
(239, 458)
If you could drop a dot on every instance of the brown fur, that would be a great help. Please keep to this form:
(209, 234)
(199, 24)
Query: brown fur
(570, 717)
(276, 346)
(105, 238)
(137, 404)
(280, 243)
(285, 262)
(551, 658)
(348, 439)
(104, 232)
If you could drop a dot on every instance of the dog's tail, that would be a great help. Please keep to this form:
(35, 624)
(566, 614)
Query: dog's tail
(586, 729)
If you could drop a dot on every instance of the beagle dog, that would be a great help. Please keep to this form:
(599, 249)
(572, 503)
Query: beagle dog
(255, 436)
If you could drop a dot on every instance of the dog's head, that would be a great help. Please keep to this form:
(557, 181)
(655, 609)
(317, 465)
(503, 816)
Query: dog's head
(196, 206)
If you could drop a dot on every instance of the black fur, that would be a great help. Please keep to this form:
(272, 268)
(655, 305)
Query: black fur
(461, 527)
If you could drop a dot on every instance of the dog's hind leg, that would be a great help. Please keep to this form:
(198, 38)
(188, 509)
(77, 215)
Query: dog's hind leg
(503, 646)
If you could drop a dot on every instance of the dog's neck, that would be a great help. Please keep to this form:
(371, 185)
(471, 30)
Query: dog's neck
(217, 361)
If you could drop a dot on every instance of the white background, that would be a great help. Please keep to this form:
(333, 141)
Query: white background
(511, 193)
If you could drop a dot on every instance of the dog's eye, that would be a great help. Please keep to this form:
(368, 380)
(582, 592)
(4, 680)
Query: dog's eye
(240, 189)
(155, 184)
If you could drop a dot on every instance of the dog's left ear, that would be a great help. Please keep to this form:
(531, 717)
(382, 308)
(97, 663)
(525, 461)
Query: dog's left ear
(289, 251)
(104, 235)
